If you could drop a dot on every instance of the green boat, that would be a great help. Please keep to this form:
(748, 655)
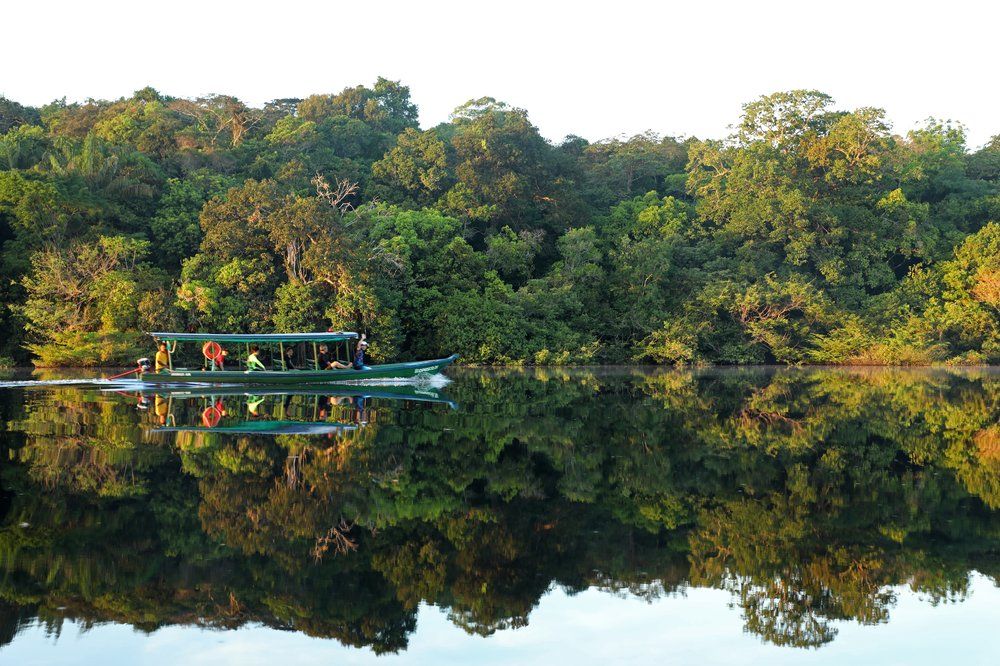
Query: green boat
(219, 349)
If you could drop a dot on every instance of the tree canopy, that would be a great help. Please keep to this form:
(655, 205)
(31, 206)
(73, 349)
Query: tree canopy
(812, 234)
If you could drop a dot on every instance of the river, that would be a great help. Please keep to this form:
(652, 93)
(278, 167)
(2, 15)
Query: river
(749, 515)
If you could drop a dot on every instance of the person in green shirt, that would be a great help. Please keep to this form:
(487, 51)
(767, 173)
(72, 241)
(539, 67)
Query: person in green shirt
(253, 360)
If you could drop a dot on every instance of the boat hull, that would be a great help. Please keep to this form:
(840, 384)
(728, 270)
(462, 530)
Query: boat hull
(293, 377)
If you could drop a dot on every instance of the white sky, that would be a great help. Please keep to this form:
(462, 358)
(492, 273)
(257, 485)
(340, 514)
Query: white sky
(594, 69)
(592, 627)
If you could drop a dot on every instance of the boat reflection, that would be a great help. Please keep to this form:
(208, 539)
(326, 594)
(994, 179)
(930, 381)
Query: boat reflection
(279, 411)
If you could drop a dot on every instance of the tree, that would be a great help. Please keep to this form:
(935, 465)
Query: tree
(512, 255)
(116, 172)
(563, 310)
(502, 168)
(218, 116)
(176, 229)
(23, 147)
(90, 288)
(338, 210)
(646, 234)
(984, 164)
(415, 171)
(13, 115)
(798, 190)
(386, 106)
(963, 308)
(621, 168)
(781, 120)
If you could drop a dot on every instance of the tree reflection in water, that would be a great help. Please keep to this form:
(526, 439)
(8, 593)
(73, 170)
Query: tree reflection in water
(808, 494)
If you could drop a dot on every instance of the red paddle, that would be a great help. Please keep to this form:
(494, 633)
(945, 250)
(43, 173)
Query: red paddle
(128, 372)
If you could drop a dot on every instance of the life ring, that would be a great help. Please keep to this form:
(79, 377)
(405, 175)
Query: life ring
(212, 351)
(211, 416)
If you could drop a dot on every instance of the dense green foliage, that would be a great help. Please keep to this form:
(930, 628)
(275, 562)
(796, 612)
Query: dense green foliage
(810, 495)
(810, 235)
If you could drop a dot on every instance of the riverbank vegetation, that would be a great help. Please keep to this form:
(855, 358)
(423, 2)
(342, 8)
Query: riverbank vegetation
(811, 235)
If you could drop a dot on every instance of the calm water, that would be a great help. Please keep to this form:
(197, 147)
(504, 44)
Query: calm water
(739, 516)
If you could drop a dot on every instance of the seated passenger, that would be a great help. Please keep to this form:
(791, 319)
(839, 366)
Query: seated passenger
(290, 359)
(253, 360)
(162, 359)
(323, 358)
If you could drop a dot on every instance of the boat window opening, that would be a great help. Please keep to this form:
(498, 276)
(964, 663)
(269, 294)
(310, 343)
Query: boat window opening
(299, 357)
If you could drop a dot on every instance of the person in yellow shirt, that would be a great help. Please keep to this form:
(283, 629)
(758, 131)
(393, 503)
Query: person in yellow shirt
(161, 408)
(162, 360)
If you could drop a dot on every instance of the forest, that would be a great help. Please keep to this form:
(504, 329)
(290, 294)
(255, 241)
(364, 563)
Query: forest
(809, 235)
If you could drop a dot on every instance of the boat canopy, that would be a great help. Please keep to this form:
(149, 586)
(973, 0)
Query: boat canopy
(332, 336)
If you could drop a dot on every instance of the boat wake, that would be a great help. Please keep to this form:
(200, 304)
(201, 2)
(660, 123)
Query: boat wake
(97, 382)
(430, 381)
(30, 383)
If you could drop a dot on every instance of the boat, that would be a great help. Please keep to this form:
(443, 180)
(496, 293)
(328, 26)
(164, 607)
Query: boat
(221, 368)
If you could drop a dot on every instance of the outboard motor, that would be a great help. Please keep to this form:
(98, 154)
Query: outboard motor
(144, 365)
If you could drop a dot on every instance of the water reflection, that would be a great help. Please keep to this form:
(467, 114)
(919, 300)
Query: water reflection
(807, 494)
(272, 412)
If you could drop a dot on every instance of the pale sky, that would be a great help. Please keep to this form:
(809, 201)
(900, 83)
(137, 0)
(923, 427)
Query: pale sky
(591, 627)
(594, 69)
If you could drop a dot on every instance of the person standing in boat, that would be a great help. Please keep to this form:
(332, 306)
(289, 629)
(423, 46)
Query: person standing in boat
(359, 358)
(359, 355)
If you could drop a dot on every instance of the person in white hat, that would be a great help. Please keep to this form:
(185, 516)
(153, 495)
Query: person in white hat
(359, 358)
